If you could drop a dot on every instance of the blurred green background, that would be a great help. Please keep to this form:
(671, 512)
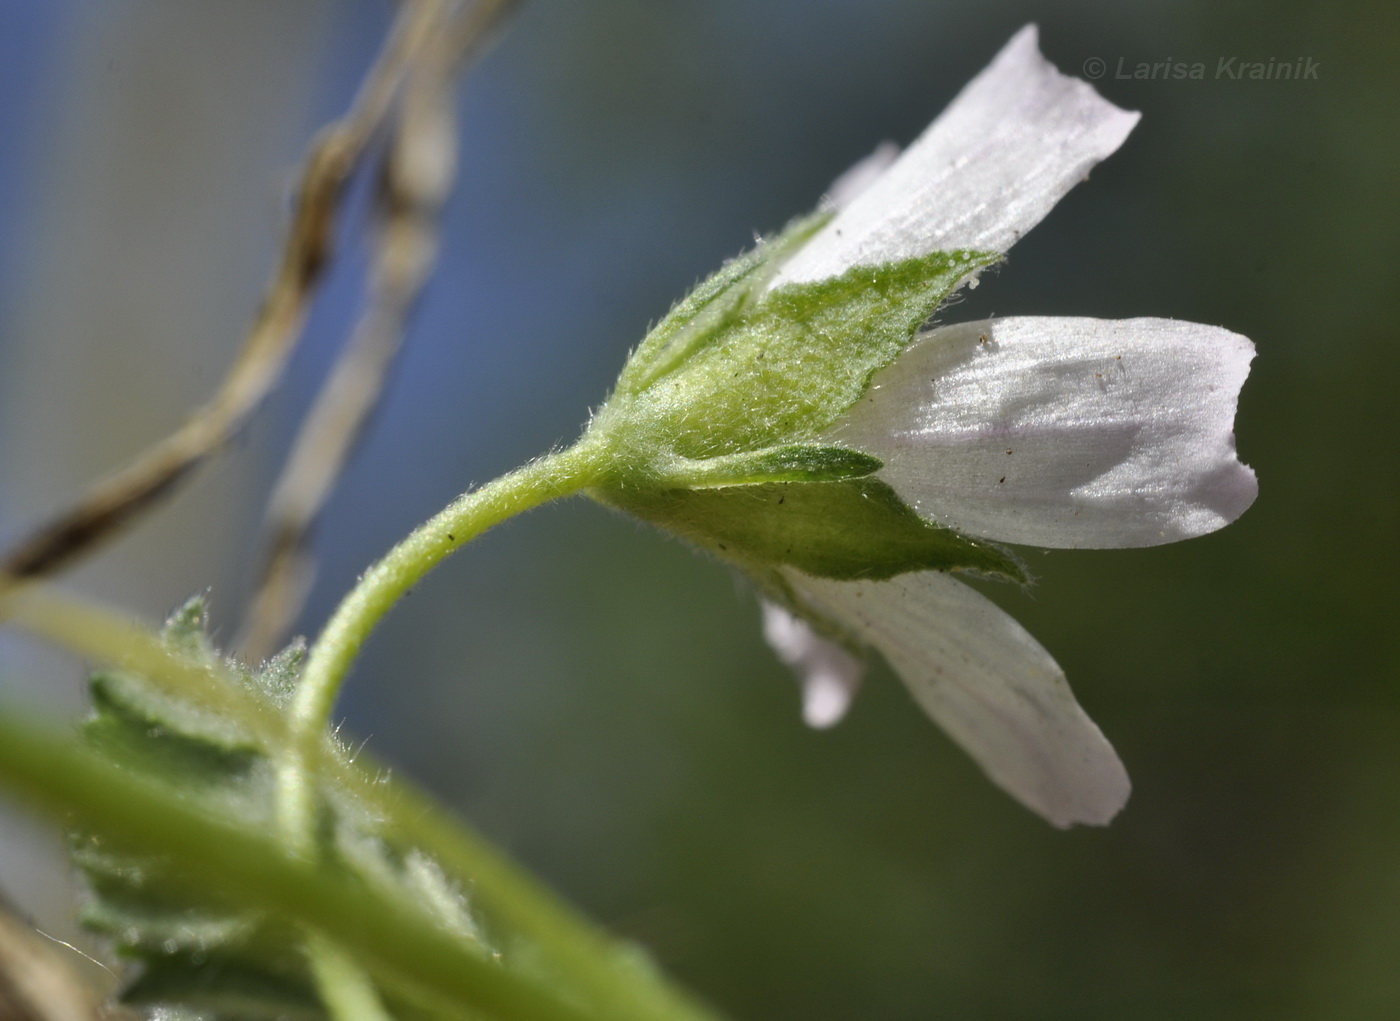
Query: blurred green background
(598, 699)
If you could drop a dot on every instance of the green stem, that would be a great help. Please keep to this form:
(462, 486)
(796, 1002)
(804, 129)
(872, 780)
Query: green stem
(396, 941)
(550, 477)
(562, 473)
(584, 958)
(347, 991)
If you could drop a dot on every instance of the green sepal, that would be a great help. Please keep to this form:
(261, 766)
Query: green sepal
(745, 370)
(793, 463)
(713, 306)
(856, 528)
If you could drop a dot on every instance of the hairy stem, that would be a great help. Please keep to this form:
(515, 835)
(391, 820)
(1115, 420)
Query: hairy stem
(608, 974)
(396, 941)
(348, 992)
(550, 477)
(553, 476)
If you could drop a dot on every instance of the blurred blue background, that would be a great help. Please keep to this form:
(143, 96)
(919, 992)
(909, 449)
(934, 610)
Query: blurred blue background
(599, 700)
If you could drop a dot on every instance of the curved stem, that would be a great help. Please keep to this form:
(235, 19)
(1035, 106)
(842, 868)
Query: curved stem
(555, 475)
(550, 477)
(350, 994)
(580, 957)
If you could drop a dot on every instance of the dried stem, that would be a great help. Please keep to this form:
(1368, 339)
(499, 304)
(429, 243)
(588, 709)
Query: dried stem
(416, 179)
(333, 158)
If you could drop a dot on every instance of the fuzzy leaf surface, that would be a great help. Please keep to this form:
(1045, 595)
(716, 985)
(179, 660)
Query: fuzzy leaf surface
(773, 369)
(196, 950)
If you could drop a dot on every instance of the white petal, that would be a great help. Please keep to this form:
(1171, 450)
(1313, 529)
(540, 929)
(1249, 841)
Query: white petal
(1013, 142)
(828, 673)
(1063, 432)
(987, 683)
(860, 177)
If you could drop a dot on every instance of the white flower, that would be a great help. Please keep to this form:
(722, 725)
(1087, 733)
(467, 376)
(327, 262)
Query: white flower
(1052, 432)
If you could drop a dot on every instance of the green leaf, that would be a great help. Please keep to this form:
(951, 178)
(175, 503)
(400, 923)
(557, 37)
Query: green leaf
(277, 680)
(856, 528)
(415, 935)
(237, 990)
(199, 950)
(741, 372)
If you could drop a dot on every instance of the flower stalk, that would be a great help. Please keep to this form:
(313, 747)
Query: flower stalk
(350, 994)
(556, 475)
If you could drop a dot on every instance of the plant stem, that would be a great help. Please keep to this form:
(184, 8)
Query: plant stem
(609, 974)
(397, 941)
(550, 477)
(555, 475)
(349, 994)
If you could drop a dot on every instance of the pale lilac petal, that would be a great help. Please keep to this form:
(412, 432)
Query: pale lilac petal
(1063, 432)
(1013, 142)
(986, 682)
(828, 673)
